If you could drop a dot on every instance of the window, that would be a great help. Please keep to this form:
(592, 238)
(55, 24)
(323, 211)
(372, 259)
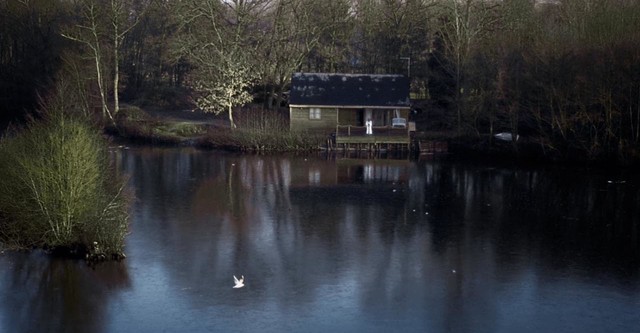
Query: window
(314, 113)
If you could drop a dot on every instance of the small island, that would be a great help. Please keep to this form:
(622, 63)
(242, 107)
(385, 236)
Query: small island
(58, 190)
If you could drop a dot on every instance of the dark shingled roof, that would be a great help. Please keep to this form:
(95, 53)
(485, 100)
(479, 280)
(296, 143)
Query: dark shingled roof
(365, 90)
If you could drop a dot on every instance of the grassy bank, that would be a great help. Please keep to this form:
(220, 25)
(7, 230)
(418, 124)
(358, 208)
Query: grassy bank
(257, 130)
(58, 192)
(260, 140)
(132, 123)
(262, 130)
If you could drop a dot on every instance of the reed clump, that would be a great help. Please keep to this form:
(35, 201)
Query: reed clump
(58, 191)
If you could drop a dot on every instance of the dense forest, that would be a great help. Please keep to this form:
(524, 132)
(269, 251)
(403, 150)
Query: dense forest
(563, 74)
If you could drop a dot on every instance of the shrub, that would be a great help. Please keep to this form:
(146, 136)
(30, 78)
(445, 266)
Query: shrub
(58, 192)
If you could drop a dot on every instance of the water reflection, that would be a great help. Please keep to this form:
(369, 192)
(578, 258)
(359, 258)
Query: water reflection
(43, 294)
(371, 245)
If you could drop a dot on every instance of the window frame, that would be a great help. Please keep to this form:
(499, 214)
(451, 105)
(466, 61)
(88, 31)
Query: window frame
(315, 113)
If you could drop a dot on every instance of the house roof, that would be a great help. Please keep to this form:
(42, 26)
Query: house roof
(350, 90)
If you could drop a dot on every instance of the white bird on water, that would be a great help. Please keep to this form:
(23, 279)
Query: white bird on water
(239, 283)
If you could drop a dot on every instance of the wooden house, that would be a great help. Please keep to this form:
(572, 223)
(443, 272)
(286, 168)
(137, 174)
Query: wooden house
(342, 104)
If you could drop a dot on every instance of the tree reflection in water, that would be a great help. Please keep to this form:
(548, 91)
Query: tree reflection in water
(44, 294)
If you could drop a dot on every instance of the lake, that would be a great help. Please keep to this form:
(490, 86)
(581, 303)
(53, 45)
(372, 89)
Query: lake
(330, 243)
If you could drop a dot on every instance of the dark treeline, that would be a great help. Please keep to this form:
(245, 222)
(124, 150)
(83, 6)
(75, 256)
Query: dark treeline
(564, 75)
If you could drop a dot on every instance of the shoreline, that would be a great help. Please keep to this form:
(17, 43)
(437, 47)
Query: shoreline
(528, 155)
(207, 131)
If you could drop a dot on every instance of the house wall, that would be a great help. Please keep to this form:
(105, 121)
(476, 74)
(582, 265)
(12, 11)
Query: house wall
(350, 117)
(299, 119)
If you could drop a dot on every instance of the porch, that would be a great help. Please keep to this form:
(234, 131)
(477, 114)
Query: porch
(383, 138)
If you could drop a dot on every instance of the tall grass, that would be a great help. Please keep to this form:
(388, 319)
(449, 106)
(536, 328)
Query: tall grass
(263, 130)
(57, 190)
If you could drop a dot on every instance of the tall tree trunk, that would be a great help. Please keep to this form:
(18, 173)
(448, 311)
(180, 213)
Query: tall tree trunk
(116, 73)
(231, 123)
(103, 97)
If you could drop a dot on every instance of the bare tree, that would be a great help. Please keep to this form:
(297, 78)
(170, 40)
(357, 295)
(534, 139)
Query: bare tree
(388, 30)
(463, 25)
(101, 27)
(89, 31)
(330, 26)
(290, 35)
(123, 19)
(217, 39)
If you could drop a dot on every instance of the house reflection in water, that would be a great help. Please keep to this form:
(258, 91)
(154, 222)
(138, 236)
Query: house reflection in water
(383, 183)
(372, 171)
(336, 191)
(325, 173)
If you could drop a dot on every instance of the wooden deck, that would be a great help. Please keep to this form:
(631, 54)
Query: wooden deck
(355, 137)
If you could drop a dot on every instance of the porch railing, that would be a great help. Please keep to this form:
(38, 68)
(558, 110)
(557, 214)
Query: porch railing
(351, 130)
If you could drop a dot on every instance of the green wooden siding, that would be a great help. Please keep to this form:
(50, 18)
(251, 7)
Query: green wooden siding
(330, 117)
(299, 119)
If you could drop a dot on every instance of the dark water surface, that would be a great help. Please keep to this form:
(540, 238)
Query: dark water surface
(347, 245)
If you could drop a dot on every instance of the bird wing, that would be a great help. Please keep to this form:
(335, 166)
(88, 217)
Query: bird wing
(235, 279)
